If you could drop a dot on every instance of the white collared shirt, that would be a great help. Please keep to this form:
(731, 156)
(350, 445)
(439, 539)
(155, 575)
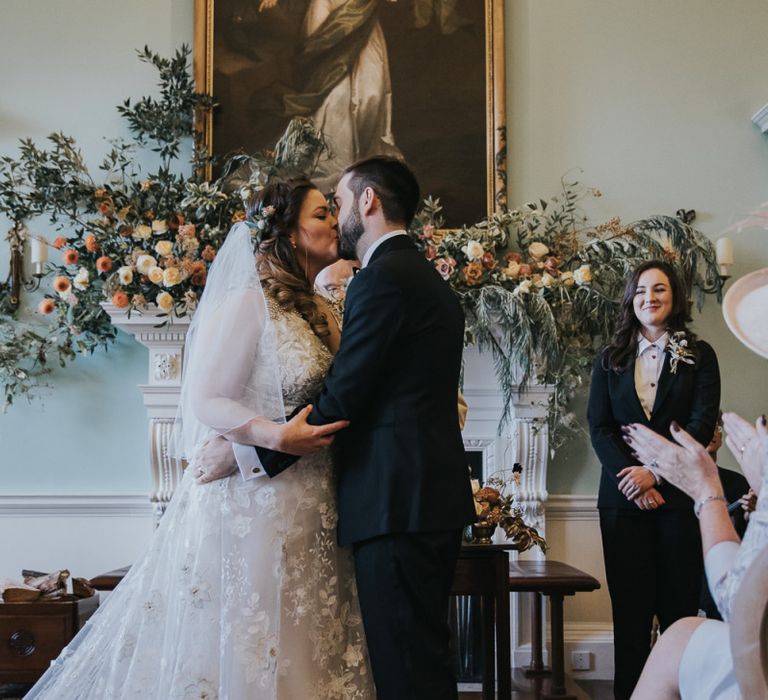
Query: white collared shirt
(648, 366)
(378, 242)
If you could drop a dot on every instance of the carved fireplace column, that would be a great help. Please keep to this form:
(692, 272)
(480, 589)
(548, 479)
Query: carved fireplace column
(161, 392)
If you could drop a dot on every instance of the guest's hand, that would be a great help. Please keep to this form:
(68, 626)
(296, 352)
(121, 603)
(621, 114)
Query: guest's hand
(650, 500)
(216, 460)
(297, 437)
(635, 482)
(686, 465)
(749, 445)
(748, 503)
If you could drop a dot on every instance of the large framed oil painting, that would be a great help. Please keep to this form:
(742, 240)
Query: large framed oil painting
(421, 79)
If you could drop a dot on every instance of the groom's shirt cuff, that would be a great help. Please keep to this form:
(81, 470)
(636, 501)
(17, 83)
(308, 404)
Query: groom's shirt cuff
(248, 461)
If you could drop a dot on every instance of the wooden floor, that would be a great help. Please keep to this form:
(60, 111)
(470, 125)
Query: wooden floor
(527, 689)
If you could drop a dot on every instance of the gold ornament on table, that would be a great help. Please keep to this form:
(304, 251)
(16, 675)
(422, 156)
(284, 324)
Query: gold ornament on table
(497, 505)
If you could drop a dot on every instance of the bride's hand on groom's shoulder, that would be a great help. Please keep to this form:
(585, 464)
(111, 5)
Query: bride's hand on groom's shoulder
(297, 437)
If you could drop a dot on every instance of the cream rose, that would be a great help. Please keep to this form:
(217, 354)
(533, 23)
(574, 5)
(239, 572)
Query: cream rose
(171, 276)
(547, 280)
(524, 287)
(155, 275)
(82, 279)
(142, 231)
(164, 301)
(512, 270)
(567, 279)
(144, 263)
(537, 250)
(159, 226)
(473, 250)
(164, 248)
(583, 275)
(125, 274)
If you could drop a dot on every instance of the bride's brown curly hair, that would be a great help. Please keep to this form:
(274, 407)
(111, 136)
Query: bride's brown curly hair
(279, 270)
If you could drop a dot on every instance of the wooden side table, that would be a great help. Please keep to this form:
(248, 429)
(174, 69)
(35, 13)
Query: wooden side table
(33, 634)
(554, 580)
(483, 570)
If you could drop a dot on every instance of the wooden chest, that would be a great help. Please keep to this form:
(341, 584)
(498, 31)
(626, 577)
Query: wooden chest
(33, 634)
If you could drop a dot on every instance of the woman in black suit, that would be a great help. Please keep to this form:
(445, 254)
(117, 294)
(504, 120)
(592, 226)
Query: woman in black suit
(653, 371)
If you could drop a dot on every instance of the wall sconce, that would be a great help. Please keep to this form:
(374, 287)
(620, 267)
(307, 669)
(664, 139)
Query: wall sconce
(38, 257)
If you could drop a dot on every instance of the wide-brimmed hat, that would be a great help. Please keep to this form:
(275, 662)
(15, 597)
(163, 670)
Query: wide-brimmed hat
(745, 309)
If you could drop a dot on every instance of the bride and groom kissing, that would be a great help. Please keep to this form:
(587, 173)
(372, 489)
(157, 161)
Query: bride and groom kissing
(314, 572)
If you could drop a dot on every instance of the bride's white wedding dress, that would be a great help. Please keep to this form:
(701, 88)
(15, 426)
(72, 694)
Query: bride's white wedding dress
(243, 593)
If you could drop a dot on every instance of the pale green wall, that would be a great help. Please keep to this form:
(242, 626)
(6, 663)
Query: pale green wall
(64, 66)
(652, 100)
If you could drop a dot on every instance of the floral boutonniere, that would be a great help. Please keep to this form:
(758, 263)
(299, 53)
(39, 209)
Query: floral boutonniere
(679, 351)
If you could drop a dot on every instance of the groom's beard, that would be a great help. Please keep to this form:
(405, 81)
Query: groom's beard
(350, 232)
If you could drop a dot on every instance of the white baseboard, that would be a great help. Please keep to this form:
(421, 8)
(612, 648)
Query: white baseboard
(568, 507)
(76, 505)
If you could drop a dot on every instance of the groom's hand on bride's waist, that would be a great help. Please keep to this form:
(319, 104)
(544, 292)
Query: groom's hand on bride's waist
(298, 437)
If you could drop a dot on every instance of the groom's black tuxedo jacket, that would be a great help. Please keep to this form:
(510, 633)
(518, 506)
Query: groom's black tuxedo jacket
(690, 396)
(400, 464)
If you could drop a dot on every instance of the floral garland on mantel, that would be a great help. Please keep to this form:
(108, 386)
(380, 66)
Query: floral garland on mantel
(136, 238)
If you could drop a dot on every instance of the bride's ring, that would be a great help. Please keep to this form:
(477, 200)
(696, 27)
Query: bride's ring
(742, 448)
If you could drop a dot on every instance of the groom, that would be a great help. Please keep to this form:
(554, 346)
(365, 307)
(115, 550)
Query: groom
(403, 485)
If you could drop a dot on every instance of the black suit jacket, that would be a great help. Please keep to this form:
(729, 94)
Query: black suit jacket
(401, 464)
(691, 396)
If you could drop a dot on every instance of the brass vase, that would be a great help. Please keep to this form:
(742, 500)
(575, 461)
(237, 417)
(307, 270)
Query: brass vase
(482, 531)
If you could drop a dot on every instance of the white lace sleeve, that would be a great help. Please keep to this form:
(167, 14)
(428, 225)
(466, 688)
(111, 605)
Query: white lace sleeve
(726, 582)
(231, 368)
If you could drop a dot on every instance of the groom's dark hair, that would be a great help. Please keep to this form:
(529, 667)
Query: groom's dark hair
(393, 182)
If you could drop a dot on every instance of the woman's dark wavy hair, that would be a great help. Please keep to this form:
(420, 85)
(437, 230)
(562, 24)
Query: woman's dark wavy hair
(623, 345)
(281, 275)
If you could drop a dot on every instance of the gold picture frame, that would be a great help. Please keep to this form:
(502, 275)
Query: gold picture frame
(457, 155)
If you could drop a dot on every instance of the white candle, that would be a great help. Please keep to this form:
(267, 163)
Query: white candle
(724, 250)
(38, 250)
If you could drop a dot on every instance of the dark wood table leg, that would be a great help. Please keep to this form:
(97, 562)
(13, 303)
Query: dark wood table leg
(489, 684)
(557, 688)
(537, 667)
(503, 643)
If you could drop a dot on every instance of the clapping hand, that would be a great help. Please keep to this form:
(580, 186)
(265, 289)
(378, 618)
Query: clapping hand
(749, 445)
(686, 465)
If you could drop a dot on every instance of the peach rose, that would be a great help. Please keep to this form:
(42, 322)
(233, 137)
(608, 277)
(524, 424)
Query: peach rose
(583, 275)
(155, 275)
(208, 253)
(62, 285)
(171, 276)
(164, 248)
(159, 226)
(120, 300)
(472, 273)
(91, 244)
(70, 256)
(567, 279)
(525, 271)
(164, 301)
(142, 231)
(537, 250)
(104, 263)
(59, 242)
(46, 306)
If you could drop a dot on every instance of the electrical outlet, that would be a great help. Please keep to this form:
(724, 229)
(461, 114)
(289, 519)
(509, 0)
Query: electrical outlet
(581, 660)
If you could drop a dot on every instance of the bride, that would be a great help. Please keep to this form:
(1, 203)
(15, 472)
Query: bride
(243, 593)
